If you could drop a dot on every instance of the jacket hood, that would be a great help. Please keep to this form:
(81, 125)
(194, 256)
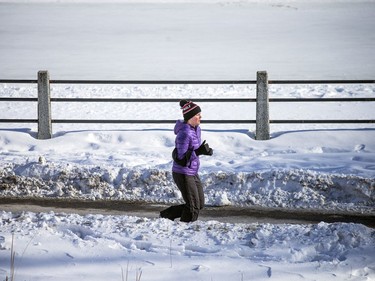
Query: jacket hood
(179, 125)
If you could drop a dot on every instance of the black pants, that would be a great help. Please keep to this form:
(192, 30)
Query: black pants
(192, 193)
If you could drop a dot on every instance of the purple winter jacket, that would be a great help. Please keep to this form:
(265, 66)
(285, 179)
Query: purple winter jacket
(187, 138)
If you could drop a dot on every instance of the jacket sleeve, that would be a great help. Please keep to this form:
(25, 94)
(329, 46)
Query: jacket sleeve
(199, 135)
(182, 144)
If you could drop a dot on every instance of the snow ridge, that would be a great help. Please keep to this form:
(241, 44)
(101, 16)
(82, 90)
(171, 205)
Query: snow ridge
(295, 188)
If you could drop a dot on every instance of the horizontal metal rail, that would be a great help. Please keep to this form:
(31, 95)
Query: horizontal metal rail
(19, 99)
(369, 81)
(320, 121)
(116, 121)
(31, 81)
(91, 121)
(210, 100)
(320, 99)
(18, 81)
(195, 99)
(148, 100)
(18, 120)
(145, 82)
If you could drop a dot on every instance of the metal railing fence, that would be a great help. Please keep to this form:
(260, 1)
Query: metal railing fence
(262, 120)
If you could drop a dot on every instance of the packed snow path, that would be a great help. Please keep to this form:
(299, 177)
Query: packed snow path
(222, 214)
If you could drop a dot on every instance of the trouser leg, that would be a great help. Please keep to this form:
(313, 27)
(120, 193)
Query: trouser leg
(192, 193)
(198, 184)
(172, 212)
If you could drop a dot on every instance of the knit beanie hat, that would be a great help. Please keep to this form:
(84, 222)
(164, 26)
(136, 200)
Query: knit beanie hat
(189, 109)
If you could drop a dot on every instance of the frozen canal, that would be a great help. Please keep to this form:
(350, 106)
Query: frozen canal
(228, 40)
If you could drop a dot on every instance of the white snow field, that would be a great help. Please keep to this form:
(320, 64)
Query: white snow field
(182, 40)
(320, 167)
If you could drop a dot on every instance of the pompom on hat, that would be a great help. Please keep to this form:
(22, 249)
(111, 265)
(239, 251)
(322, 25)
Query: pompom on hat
(189, 109)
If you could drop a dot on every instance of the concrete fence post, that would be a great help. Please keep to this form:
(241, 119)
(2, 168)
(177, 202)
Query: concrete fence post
(262, 107)
(44, 106)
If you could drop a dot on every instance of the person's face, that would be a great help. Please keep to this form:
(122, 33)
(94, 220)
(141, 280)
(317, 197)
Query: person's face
(195, 120)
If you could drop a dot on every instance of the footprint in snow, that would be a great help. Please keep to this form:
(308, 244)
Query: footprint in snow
(359, 147)
(269, 270)
(201, 268)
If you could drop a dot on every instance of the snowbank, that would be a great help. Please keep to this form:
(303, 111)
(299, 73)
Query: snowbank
(286, 189)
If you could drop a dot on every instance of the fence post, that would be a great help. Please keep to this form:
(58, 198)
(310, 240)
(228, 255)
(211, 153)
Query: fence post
(262, 107)
(44, 106)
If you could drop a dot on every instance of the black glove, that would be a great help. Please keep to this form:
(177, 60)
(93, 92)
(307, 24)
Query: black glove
(204, 149)
(185, 159)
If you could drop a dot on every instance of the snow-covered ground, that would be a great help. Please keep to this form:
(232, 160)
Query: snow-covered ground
(320, 167)
(53, 246)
